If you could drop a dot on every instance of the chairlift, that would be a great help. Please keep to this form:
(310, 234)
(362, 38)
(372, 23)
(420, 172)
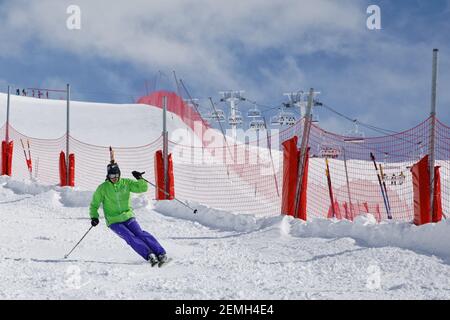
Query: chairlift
(257, 124)
(318, 103)
(275, 120)
(286, 119)
(355, 136)
(236, 119)
(218, 116)
(254, 112)
(329, 151)
(232, 94)
(238, 95)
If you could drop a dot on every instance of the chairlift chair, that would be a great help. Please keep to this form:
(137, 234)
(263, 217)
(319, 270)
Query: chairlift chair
(218, 116)
(355, 136)
(287, 119)
(239, 117)
(236, 119)
(329, 151)
(275, 120)
(257, 124)
(254, 112)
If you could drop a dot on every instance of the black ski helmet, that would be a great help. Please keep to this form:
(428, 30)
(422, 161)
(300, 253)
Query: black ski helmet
(112, 168)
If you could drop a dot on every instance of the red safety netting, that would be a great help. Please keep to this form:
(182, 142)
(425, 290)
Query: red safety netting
(233, 178)
(176, 105)
(396, 154)
(91, 160)
(248, 177)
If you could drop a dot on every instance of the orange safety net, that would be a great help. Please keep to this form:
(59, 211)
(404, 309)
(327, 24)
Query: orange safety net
(244, 177)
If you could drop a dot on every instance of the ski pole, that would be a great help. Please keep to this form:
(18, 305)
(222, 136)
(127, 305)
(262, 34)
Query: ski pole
(23, 148)
(111, 155)
(385, 188)
(65, 257)
(381, 186)
(168, 194)
(330, 187)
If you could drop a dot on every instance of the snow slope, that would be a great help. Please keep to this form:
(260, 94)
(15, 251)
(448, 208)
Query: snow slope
(102, 124)
(217, 255)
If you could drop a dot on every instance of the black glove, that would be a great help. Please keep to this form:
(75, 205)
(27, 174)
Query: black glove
(94, 222)
(137, 175)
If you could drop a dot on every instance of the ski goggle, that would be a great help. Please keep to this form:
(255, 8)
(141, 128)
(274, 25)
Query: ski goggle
(114, 175)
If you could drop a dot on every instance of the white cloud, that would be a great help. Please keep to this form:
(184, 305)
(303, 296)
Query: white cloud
(207, 42)
(189, 36)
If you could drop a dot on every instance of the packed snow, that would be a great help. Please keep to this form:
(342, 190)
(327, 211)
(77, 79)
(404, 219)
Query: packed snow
(119, 125)
(216, 254)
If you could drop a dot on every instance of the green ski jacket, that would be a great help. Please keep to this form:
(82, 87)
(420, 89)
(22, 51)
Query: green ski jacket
(116, 199)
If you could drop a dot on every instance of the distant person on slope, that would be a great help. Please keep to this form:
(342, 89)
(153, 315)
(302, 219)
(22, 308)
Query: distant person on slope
(114, 194)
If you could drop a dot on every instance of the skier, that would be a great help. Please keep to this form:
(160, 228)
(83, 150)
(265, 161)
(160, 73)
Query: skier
(402, 178)
(114, 194)
(24, 93)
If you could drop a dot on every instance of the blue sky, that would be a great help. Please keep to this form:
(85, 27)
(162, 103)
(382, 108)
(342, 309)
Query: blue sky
(381, 77)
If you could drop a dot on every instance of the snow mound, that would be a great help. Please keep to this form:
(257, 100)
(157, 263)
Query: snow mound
(212, 218)
(75, 198)
(429, 239)
(141, 201)
(68, 197)
(25, 186)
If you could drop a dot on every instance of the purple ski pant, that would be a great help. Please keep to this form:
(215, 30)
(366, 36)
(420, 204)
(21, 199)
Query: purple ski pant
(141, 241)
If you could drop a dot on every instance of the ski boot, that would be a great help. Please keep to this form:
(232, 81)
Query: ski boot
(153, 259)
(162, 259)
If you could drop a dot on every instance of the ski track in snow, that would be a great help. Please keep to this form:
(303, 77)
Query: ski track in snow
(216, 255)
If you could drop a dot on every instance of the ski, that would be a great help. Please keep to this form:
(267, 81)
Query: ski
(161, 264)
(111, 155)
(27, 158)
(153, 264)
(381, 186)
